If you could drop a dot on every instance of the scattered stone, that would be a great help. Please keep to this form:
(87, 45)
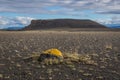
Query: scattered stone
(18, 65)
(18, 55)
(2, 64)
(50, 78)
(87, 74)
(1, 75)
(118, 56)
(102, 67)
(7, 77)
(81, 71)
(99, 77)
(12, 62)
(49, 71)
(16, 51)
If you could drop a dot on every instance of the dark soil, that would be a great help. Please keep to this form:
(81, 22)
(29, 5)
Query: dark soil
(102, 47)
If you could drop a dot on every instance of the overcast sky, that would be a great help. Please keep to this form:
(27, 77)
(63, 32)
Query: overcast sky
(21, 12)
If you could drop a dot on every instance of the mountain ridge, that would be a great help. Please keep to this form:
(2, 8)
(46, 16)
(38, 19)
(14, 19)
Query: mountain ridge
(63, 23)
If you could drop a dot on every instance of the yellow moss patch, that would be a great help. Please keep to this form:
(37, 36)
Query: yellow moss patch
(79, 58)
(54, 52)
(35, 55)
(54, 56)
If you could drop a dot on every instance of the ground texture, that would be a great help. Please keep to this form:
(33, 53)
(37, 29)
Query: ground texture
(100, 55)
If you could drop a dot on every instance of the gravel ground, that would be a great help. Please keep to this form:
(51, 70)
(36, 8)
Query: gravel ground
(103, 47)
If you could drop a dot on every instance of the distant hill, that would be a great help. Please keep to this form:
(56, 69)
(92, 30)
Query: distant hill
(62, 23)
(113, 26)
(12, 28)
(117, 26)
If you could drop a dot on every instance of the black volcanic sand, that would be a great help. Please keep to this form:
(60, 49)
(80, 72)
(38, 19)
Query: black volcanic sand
(102, 47)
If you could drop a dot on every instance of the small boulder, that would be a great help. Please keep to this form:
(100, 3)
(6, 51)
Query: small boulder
(51, 55)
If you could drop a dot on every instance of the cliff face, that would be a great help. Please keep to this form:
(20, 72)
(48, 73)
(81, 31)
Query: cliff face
(62, 23)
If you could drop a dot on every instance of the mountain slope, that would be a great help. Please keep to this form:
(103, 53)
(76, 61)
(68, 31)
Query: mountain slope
(62, 23)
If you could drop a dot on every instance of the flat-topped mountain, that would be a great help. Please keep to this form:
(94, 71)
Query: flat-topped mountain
(62, 23)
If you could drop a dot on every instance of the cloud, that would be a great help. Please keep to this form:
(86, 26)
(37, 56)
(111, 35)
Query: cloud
(109, 12)
(113, 20)
(14, 22)
(21, 21)
(42, 6)
(24, 20)
(76, 8)
(3, 20)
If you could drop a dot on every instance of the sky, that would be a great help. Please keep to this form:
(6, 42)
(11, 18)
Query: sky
(19, 13)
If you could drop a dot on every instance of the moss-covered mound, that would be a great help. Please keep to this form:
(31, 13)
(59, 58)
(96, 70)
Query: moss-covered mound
(51, 56)
(55, 56)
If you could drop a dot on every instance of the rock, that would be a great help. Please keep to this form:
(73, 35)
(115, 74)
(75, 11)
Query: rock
(118, 56)
(62, 23)
(1, 75)
(51, 56)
